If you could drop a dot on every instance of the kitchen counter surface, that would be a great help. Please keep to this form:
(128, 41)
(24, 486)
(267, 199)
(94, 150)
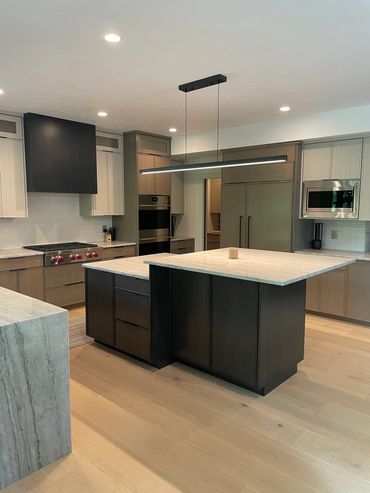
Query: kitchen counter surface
(114, 244)
(16, 308)
(131, 266)
(278, 268)
(337, 253)
(18, 252)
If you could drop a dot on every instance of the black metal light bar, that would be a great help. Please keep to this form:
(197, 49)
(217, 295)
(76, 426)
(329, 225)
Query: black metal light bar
(212, 80)
(213, 165)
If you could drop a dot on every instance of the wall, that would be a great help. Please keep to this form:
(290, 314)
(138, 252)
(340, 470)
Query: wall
(52, 218)
(352, 235)
(335, 123)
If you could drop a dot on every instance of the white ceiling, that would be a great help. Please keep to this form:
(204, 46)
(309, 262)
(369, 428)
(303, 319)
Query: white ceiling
(312, 55)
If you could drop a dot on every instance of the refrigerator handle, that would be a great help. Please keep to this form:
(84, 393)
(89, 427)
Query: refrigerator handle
(249, 231)
(240, 230)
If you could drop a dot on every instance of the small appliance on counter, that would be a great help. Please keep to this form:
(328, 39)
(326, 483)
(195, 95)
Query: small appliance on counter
(317, 240)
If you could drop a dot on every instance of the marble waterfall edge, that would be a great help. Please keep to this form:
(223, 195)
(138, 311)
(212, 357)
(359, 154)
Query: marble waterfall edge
(35, 427)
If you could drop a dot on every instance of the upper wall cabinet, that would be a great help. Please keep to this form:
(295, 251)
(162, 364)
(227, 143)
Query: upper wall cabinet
(13, 196)
(153, 144)
(109, 201)
(60, 155)
(339, 159)
(365, 183)
(154, 184)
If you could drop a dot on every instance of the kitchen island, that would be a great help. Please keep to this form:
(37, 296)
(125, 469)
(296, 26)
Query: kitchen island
(241, 320)
(35, 428)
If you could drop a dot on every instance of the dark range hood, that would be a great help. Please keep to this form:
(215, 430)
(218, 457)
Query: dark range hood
(60, 155)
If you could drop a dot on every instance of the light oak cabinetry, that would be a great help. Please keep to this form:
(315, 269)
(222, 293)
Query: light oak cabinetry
(177, 193)
(13, 196)
(365, 182)
(342, 292)
(155, 184)
(215, 196)
(339, 159)
(109, 201)
(182, 246)
(24, 275)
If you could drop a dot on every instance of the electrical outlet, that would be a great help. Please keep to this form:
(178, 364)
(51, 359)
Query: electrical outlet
(334, 234)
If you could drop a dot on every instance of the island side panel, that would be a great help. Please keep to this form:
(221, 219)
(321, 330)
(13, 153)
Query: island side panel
(160, 293)
(281, 332)
(100, 306)
(35, 426)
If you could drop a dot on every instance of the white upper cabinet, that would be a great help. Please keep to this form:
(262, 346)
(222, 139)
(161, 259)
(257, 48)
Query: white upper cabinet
(13, 194)
(365, 183)
(339, 159)
(109, 201)
(346, 159)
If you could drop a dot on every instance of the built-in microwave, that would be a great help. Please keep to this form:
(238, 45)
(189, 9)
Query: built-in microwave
(331, 199)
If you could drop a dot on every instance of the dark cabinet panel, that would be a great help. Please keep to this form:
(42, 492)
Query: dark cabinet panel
(191, 317)
(60, 155)
(133, 284)
(133, 339)
(99, 306)
(133, 308)
(235, 329)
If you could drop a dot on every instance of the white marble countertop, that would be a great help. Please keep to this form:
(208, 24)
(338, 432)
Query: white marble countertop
(18, 252)
(337, 253)
(179, 238)
(16, 308)
(114, 244)
(262, 266)
(131, 266)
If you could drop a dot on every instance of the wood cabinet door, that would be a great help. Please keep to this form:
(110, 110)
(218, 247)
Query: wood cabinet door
(31, 282)
(146, 182)
(99, 306)
(333, 292)
(177, 193)
(358, 292)
(365, 182)
(100, 206)
(191, 317)
(12, 179)
(233, 210)
(313, 294)
(346, 159)
(235, 328)
(215, 192)
(317, 160)
(115, 187)
(162, 181)
(9, 280)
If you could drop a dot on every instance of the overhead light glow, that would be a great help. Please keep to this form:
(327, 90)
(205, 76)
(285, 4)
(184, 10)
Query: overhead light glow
(172, 129)
(285, 108)
(1, 91)
(112, 38)
(222, 164)
(103, 114)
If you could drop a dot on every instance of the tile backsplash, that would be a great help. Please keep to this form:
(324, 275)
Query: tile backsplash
(346, 235)
(52, 217)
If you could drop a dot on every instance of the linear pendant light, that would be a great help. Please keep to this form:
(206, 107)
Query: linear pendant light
(194, 86)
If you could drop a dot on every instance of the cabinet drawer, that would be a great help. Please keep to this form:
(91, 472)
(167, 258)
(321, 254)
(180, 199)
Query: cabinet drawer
(15, 263)
(182, 246)
(9, 280)
(118, 252)
(63, 275)
(133, 339)
(66, 295)
(127, 283)
(133, 308)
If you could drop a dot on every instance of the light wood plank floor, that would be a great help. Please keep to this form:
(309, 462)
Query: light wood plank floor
(77, 327)
(139, 430)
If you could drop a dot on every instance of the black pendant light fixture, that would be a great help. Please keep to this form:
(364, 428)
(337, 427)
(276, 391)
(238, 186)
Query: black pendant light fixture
(194, 86)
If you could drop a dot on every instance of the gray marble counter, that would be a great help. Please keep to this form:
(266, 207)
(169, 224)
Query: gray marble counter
(35, 428)
(18, 252)
(114, 244)
(262, 266)
(131, 266)
(337, 253)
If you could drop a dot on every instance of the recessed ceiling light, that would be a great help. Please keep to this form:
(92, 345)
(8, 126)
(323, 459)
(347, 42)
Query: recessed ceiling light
(1, 91)
(285, 108)
(112, 38)
(103, 114)
(172, 129)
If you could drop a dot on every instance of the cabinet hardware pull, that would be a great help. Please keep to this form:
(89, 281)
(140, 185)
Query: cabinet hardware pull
(249, 227)
(72, 283)
(17, 270)
(240, 231)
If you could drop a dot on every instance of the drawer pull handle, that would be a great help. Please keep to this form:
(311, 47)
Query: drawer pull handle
(17, 270)
(73, 283)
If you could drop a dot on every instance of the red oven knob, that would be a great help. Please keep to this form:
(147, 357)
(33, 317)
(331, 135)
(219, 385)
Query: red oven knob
(61, 258)
(72, 257)
(78, 257)
(95, 254)
(54, 260)
(89, 255)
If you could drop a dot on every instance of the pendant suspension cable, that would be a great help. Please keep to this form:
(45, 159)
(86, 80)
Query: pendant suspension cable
(218, 122)
(186, 128)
